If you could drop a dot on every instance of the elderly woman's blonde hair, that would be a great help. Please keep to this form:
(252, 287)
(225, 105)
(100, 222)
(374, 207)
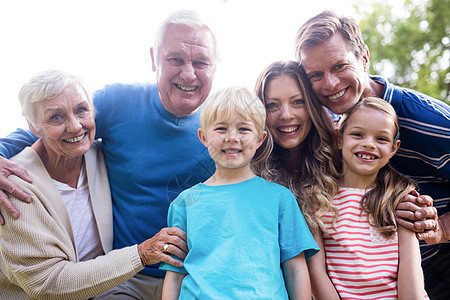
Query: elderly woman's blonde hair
(223, 104)
(46, 85)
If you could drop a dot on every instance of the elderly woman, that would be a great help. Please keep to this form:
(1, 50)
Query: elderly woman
(56, 250)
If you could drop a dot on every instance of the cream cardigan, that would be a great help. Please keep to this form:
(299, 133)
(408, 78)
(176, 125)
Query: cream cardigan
(38, 253)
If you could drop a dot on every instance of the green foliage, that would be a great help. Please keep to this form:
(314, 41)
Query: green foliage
(409, 45)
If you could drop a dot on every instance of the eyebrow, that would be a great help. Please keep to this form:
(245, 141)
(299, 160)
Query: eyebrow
(292, 97)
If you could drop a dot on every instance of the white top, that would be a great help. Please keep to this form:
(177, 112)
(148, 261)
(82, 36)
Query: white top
(79, 206)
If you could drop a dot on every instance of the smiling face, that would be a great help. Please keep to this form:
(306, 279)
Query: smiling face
(185, 68)
(367, 144)
(287, 117)
(232, 143)
(338, 78)
(66, 123)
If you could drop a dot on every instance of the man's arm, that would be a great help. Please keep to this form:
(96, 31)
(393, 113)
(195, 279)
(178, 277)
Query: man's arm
(10, 146)
(16, 142)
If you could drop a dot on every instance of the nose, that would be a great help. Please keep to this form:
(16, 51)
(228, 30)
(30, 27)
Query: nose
(187, 72)
(285, 112)
(232, 136)
(369, 143)
(73, 124)
(331, 81)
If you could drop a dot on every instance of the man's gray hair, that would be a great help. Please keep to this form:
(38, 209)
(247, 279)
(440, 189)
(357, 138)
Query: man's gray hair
(189, 18)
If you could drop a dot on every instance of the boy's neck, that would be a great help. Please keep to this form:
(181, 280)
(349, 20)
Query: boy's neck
(224, 176)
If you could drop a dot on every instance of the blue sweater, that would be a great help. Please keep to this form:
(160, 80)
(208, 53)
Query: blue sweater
(151, 156)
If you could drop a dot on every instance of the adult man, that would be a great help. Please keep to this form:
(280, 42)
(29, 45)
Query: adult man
(149, 138)
(336, 60)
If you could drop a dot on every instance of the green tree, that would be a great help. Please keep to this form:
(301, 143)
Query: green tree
(409, 45)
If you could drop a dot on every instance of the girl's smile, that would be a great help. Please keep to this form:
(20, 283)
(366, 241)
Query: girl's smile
(367, 144)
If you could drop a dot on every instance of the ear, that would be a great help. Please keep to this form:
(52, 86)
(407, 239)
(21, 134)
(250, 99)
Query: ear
(202, 137)
(262, 138)
(395, 148)
(33, 129)
(366, 60)
(338, 139)
(152, 55)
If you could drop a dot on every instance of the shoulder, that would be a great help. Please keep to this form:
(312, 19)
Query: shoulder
(29, 160)
(270, 184)
(124, 91)
(411, 103)
(188, 196)
(95, 159)
(273, 188)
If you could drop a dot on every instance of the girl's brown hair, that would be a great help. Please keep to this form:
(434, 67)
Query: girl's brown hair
(390, 186)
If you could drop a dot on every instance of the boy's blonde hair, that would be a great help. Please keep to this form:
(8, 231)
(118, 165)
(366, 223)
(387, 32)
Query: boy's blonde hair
(224, 103)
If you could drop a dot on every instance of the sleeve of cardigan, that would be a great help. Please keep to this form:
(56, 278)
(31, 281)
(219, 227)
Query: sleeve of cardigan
(39, 256)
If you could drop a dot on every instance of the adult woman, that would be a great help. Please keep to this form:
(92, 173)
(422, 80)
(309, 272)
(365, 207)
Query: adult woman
(49, 252)
(302, 131)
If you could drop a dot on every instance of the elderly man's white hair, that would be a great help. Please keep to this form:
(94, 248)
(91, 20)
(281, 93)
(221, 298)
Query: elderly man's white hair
(189, 18)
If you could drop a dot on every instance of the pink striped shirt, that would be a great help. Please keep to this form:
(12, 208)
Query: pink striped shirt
(361, 263)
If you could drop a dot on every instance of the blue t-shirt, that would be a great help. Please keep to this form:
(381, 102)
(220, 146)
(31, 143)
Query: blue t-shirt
(238, 237)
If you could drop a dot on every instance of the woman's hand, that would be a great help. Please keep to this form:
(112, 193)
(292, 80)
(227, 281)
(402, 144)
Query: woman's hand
(167, 241)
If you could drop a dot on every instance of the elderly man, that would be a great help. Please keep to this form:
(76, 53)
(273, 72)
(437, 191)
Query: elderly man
(336, 59)
(149, 138)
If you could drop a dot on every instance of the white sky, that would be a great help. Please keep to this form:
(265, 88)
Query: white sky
(107, 41)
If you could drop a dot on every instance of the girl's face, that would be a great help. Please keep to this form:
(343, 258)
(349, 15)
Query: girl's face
(232, 143)
(287, 117)
(367, 144)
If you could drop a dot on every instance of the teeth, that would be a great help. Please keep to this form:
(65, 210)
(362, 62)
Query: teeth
(288, 129)
(363, 156)
(335, 96)
(186, 88)
(74, 140)
(231, 151)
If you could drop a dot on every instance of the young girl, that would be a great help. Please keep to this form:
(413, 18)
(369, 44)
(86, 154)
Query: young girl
(245, 235)
(366, 255)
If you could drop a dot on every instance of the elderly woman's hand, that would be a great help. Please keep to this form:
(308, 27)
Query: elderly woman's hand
(167, 241)
(7, 168)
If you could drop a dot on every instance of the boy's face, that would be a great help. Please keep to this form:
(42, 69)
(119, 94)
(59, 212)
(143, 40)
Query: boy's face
(232, 143)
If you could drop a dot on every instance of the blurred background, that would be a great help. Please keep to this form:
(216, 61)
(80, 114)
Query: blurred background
(107, 41)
